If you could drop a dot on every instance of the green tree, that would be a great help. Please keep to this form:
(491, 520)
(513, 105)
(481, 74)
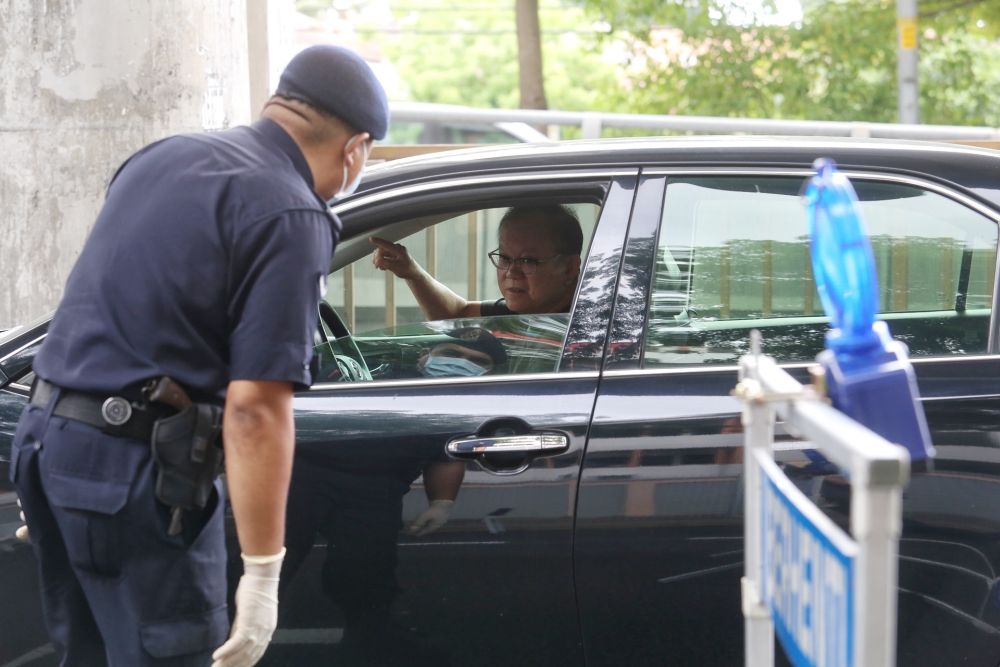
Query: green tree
(694, 57)
(700, 57)
(457, 52)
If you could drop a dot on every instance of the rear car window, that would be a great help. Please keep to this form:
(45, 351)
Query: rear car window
(733, 254)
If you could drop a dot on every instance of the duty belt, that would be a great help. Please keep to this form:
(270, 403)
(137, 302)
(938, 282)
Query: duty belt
(114, 415)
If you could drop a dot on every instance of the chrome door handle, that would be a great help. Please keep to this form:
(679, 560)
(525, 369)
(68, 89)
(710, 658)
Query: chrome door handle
(540, 443)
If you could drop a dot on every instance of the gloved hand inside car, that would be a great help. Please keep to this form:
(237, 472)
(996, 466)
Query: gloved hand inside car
(256, 612)
(22, 532)
(432, 518)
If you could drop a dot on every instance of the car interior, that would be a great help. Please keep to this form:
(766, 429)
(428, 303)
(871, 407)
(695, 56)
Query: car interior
(372, 327)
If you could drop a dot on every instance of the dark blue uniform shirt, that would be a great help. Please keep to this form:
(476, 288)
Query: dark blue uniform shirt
(206, 264)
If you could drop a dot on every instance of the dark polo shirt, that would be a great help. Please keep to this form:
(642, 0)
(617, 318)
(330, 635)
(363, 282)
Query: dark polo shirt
(206, 264)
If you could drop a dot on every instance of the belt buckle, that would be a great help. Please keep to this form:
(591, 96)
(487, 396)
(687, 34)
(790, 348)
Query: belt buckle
(116, 410)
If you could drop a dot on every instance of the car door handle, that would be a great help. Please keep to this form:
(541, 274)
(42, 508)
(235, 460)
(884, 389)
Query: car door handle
(532, 443)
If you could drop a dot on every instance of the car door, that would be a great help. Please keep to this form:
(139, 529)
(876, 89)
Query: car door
(493, 584)
(25, 641)
(659, 524)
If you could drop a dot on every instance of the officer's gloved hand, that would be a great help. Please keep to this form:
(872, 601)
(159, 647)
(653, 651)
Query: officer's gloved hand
(256, 612)
(432, 518)
(22, 532)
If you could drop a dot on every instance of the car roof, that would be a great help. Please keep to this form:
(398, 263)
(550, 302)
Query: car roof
(976, 170)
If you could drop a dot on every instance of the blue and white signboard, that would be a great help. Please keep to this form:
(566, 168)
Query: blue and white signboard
(830, 597)
(807, 575)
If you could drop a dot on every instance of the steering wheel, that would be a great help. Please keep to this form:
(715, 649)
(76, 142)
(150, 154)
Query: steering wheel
(352, 363)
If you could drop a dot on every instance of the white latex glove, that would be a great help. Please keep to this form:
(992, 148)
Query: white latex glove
(432, 518)
(256, 612)
(22, 532)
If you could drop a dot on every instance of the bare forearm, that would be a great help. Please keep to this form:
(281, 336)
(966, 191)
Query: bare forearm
(259, 437)
(443, 479)
(436, 300)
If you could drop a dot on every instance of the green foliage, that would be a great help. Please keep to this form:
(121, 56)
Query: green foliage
(700, 57)
(979, 17)
(314, 8)
(459, 53)
(960, 80)
(839, 64)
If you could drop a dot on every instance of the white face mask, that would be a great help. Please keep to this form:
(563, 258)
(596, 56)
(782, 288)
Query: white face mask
(349, 188)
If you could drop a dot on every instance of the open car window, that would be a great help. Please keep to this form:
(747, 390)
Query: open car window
(378, 332)
(733, 254)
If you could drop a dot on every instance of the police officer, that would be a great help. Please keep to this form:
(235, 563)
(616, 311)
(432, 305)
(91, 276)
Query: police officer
(205, 265)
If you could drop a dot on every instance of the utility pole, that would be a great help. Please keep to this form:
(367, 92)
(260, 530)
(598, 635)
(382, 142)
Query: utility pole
(906, 67)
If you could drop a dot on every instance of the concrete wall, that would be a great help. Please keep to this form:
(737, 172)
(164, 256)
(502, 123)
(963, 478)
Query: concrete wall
(86, 83)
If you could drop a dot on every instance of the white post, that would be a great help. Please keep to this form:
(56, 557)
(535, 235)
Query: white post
(758, 629)
(906, 66)
(258, 54)
(876, 521)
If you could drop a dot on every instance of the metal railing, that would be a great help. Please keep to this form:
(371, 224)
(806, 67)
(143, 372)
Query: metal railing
(592, 124)
(830, 595)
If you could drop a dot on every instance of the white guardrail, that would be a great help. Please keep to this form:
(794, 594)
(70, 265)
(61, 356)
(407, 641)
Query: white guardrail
(829, 596)
(519, 123)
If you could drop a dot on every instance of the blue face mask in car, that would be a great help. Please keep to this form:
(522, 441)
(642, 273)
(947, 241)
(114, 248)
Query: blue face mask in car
(451, 367)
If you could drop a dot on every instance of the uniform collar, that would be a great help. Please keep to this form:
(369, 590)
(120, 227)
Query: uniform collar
(277, 136)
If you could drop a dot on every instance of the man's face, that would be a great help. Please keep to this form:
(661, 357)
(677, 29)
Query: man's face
(549, 289)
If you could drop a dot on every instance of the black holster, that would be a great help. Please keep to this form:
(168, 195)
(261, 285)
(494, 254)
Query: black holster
(188, 456)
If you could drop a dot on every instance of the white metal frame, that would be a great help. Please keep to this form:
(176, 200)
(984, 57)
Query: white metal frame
(591, 123)
(877, 471)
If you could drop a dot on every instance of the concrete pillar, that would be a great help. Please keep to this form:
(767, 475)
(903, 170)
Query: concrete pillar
(86, 83)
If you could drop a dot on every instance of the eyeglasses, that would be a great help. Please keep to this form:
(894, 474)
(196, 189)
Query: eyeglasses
(528, 265)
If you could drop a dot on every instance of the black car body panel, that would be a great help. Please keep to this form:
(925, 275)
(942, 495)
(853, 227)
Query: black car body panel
(624, 547)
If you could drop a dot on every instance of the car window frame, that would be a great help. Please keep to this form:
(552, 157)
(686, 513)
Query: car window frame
(366, 215)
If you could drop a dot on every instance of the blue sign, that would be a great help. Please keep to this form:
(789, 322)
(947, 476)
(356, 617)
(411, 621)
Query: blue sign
(807, 576)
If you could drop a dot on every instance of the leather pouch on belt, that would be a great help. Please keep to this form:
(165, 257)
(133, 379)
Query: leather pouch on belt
(187, 454)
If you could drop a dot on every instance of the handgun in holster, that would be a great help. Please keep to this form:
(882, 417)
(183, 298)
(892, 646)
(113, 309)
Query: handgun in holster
(186, 450)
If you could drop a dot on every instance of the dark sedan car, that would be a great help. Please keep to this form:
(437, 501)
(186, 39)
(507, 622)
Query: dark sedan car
(596, 467)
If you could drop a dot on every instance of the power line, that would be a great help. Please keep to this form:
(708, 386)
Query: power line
(474, 8)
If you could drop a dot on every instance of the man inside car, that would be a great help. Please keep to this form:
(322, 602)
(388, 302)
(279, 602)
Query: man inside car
(537, 262)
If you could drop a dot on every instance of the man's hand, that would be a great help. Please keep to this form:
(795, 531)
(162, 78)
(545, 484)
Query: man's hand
(22, 532)
(393, 257)
(432, 518)
(256, 612)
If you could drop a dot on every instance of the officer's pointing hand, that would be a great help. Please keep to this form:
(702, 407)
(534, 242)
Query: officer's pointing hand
(256, 612)
(22, 532)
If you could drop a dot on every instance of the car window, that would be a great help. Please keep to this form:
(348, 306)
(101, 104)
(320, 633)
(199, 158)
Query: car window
(391, 338)
(733, 254)
(17, 367)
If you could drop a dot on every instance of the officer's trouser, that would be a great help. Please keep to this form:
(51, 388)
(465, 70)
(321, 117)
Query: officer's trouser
(116, 589)
(359, 515)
